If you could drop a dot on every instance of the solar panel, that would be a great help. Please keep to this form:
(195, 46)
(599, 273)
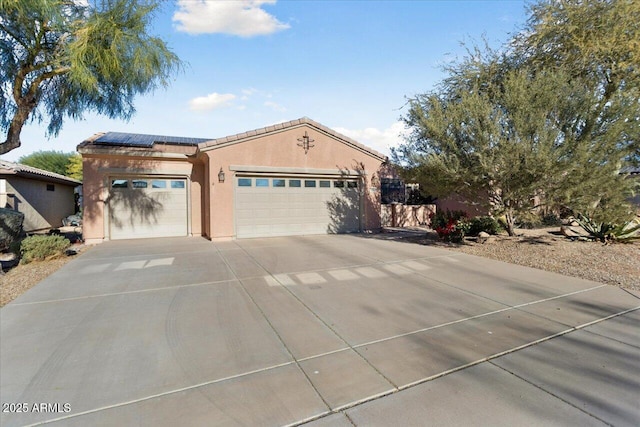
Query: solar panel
(142, 140)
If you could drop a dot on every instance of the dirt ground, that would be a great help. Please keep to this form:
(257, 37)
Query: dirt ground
(23, 277)
(615, 264)
(545, 249)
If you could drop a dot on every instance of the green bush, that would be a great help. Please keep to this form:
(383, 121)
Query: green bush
(451, 226)
(487, 224)
(442, 218)
(551, 220)
(38, 248)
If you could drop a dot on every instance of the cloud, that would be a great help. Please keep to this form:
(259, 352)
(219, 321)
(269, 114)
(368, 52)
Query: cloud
(243, 18)
(380, 140)
(210, 102)
(274, 106)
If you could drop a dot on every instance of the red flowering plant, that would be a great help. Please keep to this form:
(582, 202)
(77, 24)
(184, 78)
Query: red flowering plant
(451, 226)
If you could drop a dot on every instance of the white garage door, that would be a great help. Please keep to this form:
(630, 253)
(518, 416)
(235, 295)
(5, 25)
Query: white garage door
(274, 206)
(147, 207)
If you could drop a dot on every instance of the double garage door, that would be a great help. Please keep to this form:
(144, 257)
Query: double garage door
(284, 206)
(143, 207)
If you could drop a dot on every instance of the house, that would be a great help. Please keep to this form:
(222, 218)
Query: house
(44, 197)
(293, 178)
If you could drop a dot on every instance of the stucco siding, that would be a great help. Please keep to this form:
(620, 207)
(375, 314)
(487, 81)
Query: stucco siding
(280, 150)
(99, 169)
(42, 209)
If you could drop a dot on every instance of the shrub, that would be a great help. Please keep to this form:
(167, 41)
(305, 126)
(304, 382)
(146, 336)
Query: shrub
(451, 226)
(551, 220)
(38, 248)
(487, 224)
(441, 218)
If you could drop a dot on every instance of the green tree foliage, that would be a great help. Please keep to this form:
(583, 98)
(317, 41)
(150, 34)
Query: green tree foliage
(74, 167)
(61, 58)
(537, 124)
(52, 161)
(598, 41)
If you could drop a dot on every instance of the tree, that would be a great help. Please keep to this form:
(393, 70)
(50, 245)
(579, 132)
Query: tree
(52, 161)
(535, 125)
(598, 41)
(74, 167)
(493, 141)
(61, 58)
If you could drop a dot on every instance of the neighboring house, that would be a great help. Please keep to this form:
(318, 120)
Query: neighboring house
(293, 178)
(44, 197)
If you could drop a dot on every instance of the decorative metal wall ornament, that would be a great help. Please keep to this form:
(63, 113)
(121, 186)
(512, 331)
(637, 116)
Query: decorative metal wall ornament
(306, 142)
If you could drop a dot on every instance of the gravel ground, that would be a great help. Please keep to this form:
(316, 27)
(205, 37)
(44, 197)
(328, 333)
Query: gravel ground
(617, 264)
(23, 277)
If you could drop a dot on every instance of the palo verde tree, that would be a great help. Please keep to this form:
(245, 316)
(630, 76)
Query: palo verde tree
(598, 42)
(536, 124)
(61, 58)
(52, 161)
(67, 164)
(74, 167)
(495, 138)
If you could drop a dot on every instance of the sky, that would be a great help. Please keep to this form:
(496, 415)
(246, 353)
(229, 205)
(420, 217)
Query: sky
(350, 65)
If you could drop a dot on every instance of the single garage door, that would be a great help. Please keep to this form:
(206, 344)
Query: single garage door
(282, 206)
(147, 207)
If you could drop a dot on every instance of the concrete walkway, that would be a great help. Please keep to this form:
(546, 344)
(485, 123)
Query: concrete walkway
(329, 330)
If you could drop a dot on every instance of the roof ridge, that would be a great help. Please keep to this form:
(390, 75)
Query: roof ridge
(19, 167)
(287, 125)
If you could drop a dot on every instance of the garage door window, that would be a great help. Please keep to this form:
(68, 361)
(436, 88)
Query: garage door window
(244, 182)
(138, 183)
(156, 183)
(296, 205)
(119, 183)
(352, 184)
(177, 184)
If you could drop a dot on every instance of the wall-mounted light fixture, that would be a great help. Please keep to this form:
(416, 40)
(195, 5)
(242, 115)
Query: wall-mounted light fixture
(221, 176)
(306, 142)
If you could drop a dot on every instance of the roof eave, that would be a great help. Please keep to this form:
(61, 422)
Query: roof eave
(281, 127)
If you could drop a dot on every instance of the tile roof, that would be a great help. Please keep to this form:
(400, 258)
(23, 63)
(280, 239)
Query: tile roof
(18, 169)
(286, 125)
(123, 139)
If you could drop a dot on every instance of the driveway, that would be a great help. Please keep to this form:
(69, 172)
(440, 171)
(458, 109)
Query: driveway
(330, 330)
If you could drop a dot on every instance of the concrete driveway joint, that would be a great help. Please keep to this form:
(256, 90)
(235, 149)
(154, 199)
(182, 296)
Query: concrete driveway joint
(330, 330)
